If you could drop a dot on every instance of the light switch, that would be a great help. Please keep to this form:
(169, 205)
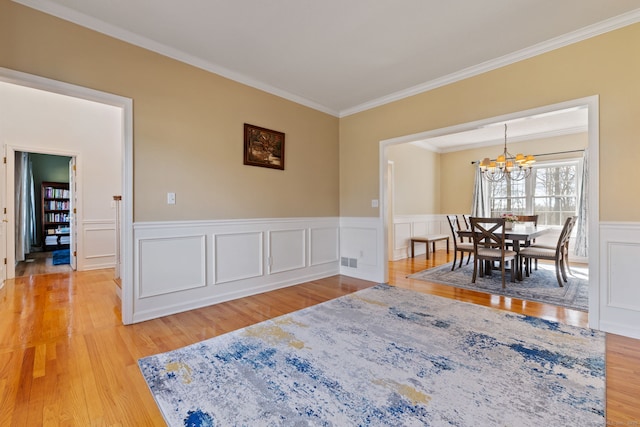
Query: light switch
(374, 203)
(171, 198)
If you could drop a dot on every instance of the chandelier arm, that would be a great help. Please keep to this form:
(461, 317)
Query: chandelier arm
(507, 166)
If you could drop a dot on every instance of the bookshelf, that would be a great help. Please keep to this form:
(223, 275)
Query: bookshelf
(55, 215)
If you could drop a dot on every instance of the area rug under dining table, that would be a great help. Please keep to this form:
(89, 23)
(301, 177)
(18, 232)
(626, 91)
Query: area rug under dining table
(386, 356)
(540, 286)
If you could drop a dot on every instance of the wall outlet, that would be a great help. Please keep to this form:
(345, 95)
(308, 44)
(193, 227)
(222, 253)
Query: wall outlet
(171, 198)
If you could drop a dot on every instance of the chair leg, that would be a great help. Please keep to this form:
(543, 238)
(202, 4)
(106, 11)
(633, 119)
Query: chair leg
(502, 268)
(563, 270)
(566, 261)
(558, 276)
(513, 269)
(455, 254)
(468, 259)
(475, 270)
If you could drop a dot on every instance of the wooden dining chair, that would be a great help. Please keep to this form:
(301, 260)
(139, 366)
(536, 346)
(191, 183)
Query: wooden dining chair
(459, 245)
(557, 254)
(467, 221)
(489, 245)
(529, 219)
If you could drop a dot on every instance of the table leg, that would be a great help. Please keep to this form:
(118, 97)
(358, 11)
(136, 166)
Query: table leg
(516, 261)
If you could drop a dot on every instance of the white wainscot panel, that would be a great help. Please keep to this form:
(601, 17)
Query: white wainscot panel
(98, 242)
(401, 234)
(367, 243)
(237, 256)
(171, 264)
(287, 250)
(619, 290)
(407, 226)
(421, 228)
(623, 265)
(324, 245)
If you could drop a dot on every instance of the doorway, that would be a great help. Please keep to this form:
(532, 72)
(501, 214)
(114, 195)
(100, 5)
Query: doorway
(44, 205)
(33, 138)
(591, 103)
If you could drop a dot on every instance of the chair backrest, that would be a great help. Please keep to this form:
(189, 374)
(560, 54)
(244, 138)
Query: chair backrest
(528, 218)
(467, 221)
(454, 224)
(565, 234)
(488, 232)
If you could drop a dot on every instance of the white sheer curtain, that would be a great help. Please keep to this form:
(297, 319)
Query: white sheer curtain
(480, 203)
(25, 206)
(582, 240)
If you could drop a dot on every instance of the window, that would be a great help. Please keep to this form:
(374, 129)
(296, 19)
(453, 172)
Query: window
(551, 192)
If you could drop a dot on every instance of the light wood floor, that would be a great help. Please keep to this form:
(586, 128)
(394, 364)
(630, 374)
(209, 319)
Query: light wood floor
(66, 359)
(40, 263)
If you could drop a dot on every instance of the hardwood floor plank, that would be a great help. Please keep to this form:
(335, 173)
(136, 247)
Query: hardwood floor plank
(66, 359)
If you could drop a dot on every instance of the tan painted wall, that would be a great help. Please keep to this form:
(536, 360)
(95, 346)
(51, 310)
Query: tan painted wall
(416, 180)
(188, 122)
(607, 65)
(188, 125)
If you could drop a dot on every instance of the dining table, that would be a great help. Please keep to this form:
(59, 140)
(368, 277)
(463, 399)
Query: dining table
(520, 235)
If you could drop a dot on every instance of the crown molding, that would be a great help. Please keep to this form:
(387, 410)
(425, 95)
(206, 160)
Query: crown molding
(83, 20)
(585, 33)
(100, 26)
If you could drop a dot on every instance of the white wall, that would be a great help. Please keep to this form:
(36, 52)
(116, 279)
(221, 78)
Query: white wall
(39, 121)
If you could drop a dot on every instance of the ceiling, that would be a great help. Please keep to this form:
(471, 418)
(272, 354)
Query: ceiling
(341, 56)
(563, 121)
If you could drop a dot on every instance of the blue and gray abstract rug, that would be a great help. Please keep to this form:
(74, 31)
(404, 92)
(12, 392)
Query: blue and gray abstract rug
(540, 286)
(386, 356)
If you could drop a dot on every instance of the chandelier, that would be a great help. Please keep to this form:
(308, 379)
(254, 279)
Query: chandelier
(507, 166)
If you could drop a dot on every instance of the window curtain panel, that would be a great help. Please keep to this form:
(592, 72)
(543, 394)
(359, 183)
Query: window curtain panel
(582, 241)
(25, 206)
(480, 201)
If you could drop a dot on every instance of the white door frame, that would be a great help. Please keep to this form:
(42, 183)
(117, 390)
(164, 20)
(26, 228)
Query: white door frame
(592, 102)
(10, 197)
(126, 105)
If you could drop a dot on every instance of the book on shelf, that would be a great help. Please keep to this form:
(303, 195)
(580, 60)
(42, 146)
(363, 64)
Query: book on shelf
(56, 193)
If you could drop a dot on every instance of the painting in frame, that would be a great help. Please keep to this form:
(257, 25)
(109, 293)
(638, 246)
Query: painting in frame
(263, 147)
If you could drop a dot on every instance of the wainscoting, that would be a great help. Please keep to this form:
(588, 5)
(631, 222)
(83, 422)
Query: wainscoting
(619, 291)
(97, 238)
(407, 226)
(180, 266)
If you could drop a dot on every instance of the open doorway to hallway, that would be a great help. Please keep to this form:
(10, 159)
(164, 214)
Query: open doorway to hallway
(44, 205)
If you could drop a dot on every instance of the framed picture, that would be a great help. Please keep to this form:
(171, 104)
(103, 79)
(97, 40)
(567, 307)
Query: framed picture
(263, 147)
